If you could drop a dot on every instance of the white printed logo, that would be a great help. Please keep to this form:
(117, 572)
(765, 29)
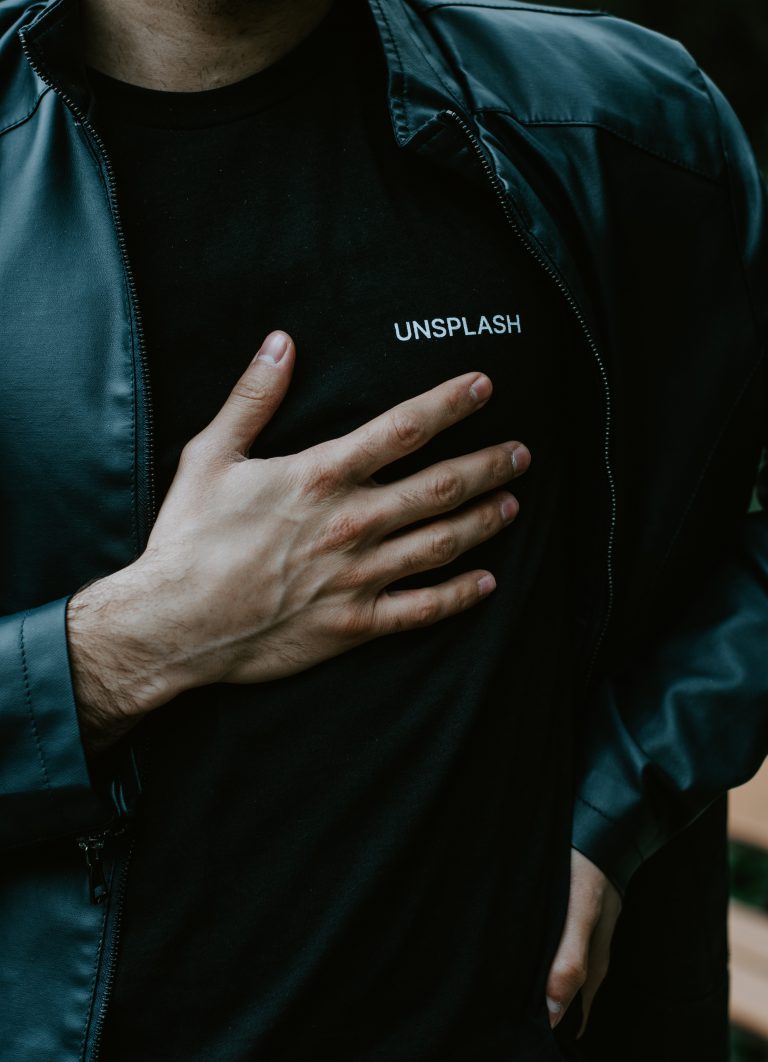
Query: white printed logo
(499, 324)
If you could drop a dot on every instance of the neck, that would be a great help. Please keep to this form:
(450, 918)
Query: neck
(192, 45)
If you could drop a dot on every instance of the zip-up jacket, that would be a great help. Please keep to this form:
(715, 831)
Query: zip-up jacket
(623, 172)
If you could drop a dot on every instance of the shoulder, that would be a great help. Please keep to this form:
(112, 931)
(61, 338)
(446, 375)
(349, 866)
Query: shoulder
(558, 60)
(546, 65)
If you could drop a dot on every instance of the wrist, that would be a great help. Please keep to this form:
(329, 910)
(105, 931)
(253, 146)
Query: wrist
(119, 672)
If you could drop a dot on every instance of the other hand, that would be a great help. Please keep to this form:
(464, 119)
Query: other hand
(582, 958)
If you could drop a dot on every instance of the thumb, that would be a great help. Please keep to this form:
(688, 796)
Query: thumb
(256, 396)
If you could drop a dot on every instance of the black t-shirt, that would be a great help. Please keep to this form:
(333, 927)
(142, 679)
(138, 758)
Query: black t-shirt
(368, 861)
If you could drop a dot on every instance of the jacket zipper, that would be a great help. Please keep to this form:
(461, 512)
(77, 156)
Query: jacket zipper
(92, 1051)
(498, 190)
(92, 846)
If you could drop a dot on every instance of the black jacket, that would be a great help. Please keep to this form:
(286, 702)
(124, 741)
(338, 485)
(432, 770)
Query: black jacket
(626, 176)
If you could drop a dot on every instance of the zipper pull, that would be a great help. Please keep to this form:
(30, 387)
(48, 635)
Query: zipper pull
(92, 848)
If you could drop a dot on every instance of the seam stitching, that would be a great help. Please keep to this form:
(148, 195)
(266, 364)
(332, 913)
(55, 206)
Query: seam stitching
(600, 812)
(402, 106)
(25, 118)
(524, 7)
(47, 13)
(28, 697)
(449, 86)
(534, 122)
(613, 822)
(729, 184)
(135, 353)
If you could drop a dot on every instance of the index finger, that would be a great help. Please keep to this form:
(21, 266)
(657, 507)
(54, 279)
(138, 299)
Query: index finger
(409, 426)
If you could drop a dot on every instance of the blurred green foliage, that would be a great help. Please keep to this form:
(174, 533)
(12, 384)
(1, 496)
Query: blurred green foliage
(729, 39)
(749, 876)
(745, 1048)
(749, 883)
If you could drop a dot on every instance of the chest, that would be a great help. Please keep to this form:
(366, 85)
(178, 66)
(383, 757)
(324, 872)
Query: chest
(390, 275)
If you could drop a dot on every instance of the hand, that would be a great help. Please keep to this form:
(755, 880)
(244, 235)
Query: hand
(582, 957)
(257, 569)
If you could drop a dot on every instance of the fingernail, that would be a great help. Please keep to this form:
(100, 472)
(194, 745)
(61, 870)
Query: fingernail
(486, 585)
(481, 389)
(520, 458)
(555, 1012)
(273, 348)
(509, 509)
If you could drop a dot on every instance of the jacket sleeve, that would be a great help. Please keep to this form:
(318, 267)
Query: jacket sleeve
(46, 788)
(690, 721)
(684, 726)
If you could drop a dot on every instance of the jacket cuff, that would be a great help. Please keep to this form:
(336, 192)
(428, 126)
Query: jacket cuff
(50, 698)
(621, 813)
(46, 788)
(604, 843)
(42, 749)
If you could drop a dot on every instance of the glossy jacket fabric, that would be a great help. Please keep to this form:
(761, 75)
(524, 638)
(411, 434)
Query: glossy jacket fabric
(686, 722)
(627, 177)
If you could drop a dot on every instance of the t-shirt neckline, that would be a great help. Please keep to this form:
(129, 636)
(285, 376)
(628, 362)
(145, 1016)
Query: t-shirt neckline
(157, 108)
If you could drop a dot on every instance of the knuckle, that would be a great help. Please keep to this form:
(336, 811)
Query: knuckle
(394, 623)
(570, 974)
(322, 479)
(350, 623)
(352, 578)
(426, 612)
(447, 489)
(407, 429)
(489, 519)
(195, 452)
(500, 467)
(251, 390)
(466, 595)
(343, 531)
(442, 546)
(455, 401)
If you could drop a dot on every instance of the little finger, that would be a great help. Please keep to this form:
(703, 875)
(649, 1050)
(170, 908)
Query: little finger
(403, 610)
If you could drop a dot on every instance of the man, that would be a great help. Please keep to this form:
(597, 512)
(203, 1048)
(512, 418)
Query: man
(345, 845)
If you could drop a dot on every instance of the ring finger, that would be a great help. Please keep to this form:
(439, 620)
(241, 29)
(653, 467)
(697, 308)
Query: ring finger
(440, 543)
(444, 486)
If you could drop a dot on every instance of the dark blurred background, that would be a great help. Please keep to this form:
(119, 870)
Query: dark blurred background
(729, 39)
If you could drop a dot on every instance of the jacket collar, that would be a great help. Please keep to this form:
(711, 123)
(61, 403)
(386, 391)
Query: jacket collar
(417, 91)
(420, 89)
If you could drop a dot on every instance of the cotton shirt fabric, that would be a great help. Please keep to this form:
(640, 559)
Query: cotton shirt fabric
(367, 861)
